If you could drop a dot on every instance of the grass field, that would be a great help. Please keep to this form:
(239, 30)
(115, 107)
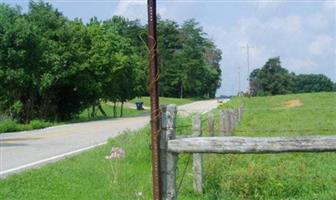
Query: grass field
(271, 176)
(9, 125)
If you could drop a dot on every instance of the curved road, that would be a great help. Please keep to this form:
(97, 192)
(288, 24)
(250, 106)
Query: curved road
(23, 150)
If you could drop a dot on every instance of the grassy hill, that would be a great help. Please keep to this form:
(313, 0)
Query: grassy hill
(270, 176)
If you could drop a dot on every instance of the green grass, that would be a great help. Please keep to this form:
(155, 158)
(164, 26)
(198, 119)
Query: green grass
(163, 101)
(8, 125)
(270, 176)
(279, 176)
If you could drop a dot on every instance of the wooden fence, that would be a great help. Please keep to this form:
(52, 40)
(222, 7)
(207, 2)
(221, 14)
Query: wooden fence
(170, 146)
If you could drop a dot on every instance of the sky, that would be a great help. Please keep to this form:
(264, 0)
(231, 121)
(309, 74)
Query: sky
(301, 32)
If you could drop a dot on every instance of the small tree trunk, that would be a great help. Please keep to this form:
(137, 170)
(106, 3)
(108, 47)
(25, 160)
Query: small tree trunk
(93, 113)
(102, 110)
(181, 90)
(121, 109)
(114, 109)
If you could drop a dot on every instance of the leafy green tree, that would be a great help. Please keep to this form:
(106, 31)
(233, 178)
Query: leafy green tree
(53, 68)
(63, 56)
(313, 83)
(169, 46)
(272, 79)
(18, 58)
(188, 61)
(136, 34)
(112, 60)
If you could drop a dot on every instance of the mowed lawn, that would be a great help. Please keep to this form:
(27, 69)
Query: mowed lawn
(268, 176)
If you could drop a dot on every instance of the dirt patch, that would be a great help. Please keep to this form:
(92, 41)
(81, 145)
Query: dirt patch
(293, 103)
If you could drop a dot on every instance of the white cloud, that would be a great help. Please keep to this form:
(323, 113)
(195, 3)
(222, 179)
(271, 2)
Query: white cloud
(124, 5)
(301, 65)
(318, 21)
(291, 24)
(262, 4)
(329, 4)
(323, 44)
(287, 37)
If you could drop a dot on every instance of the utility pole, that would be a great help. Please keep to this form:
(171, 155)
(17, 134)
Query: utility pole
(239, 89)
(154, 98)
(248, 63)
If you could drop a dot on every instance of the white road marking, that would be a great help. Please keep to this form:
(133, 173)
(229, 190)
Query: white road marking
(3, 173)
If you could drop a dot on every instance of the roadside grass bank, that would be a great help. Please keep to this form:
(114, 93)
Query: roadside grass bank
(8, 125)
(270, 176)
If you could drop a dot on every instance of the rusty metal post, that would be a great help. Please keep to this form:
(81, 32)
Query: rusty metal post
(154, 90)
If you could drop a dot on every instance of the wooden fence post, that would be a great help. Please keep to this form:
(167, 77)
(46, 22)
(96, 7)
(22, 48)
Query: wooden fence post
(228, 125)
(197, 157)
(222, 118)
(236, 116)
(168, 160)
(242, 111)
(211, 125)
(233, 121)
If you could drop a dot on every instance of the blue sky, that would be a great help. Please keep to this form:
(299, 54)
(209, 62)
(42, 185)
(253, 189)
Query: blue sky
(302, 33)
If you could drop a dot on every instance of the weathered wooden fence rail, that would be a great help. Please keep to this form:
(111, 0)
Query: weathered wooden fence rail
(252, 144)
(171, 146)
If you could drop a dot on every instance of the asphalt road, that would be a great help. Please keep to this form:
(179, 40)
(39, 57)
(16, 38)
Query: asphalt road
(23, 150)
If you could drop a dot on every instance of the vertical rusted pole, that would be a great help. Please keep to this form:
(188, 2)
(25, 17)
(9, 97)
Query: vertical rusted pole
(154, 89)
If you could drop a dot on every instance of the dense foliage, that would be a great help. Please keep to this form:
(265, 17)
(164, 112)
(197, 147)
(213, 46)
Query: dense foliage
(52, 67)
(273, 79)
(313, 83)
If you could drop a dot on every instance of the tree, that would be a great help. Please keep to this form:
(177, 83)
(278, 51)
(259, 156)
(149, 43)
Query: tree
(112, 60)
(169, 45)
(255, 86)
(272, 79)
(52, 68)
(63, 44)
(18, 59)
(313, 83)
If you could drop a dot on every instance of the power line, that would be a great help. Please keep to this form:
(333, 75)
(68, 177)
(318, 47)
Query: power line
(239, 89)
(247, 47)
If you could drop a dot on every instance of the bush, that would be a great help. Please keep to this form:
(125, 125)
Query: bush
(38, 124)
(12, 126)
(8, 126)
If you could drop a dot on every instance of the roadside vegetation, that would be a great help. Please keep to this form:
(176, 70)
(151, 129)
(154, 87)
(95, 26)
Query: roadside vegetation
(270, 176)
(273, 79)
(52, 68)
(129, 110)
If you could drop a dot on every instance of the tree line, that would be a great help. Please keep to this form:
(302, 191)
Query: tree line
(273, 79)
(52, 67)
